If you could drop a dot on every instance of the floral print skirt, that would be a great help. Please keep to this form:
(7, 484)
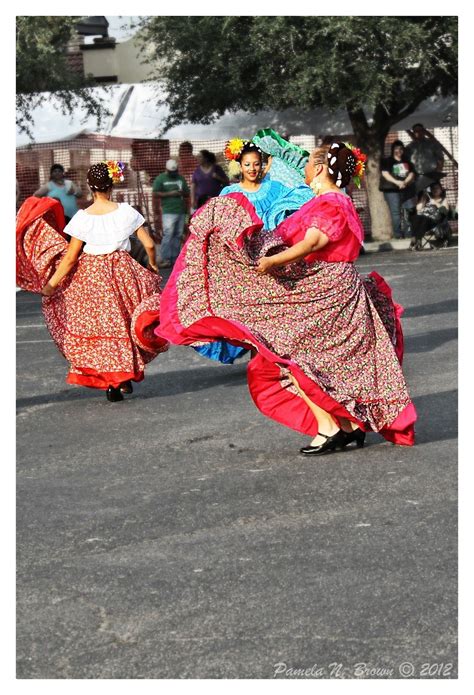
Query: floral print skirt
(102, 315)
(336, 332)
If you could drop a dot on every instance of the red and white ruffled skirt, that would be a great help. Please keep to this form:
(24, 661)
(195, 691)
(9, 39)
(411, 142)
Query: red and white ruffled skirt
(103, 313)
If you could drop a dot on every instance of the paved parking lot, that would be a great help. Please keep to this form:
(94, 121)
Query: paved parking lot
(180, 535)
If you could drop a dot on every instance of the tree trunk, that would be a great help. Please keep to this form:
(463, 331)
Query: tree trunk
(381, 221)
(371, 140)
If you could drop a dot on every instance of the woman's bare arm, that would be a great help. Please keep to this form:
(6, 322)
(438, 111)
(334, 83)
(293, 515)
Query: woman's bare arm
(74, 189)
(406, 182)
(388, 177)
(149, 245)
(65, 266)
(42, 191)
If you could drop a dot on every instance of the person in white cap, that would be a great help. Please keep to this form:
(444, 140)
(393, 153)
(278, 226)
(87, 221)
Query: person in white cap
(173, 193)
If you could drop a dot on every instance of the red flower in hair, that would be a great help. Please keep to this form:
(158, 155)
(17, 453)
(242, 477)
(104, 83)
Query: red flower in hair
(360, 163)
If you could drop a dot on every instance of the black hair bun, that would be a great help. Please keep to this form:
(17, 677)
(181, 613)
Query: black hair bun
(341, 164)
(98, 177)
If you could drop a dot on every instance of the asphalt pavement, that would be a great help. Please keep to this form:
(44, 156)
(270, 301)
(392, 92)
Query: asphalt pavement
(179, 534)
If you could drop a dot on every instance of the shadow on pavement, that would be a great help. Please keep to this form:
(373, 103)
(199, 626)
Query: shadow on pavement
(430, 340)
(437, 413)
(154, 386)
(445, 307)
(437, 417)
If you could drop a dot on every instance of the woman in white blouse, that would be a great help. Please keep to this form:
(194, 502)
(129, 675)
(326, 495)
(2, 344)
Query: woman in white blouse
(101, 288)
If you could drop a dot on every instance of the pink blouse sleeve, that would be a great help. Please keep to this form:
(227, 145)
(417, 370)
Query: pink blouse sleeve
(327, 217)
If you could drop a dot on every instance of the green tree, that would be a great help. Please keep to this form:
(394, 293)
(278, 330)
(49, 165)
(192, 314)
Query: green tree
(42, 69)
(379, 68)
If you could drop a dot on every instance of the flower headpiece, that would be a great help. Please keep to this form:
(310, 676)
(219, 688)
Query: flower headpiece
(115, 170)
(233, 148)
(361, 159)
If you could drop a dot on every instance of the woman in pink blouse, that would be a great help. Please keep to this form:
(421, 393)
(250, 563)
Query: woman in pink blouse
(327, 230)
(327, 343)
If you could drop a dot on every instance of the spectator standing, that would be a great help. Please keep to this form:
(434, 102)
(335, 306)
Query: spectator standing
(208, 179)
(62, 189)
(173, 192)
(426, 155)
(187, 161)
(397, 175)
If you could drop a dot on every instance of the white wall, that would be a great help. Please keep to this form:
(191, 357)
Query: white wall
(124, 61)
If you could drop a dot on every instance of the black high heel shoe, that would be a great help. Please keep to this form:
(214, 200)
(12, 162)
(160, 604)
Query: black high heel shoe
(126, 387)
(357, 436)
(336, 441)
(114, 394)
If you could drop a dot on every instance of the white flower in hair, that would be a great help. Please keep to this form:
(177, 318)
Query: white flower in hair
(334, 144)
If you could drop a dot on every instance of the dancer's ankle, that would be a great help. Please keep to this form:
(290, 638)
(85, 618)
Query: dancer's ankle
(347, 425)
(328, 427)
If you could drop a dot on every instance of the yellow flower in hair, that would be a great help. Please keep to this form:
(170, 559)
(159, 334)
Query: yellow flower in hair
(235, 145)
(233, 148)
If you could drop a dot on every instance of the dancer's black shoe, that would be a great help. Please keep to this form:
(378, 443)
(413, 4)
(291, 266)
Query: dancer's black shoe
(114, 394)
(336, 441)
(126, 387)
(357, 436)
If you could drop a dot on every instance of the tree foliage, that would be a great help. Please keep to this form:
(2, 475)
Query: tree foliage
(42, 68)
(378, 68)
(389, 64)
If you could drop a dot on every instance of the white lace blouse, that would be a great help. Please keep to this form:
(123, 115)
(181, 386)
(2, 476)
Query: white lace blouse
(105, 233)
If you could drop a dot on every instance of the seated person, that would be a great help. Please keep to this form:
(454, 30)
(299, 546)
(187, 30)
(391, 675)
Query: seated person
(432, 214)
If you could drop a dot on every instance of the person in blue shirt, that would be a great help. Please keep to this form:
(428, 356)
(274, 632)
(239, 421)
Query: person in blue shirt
(64, 190)
(273, 201)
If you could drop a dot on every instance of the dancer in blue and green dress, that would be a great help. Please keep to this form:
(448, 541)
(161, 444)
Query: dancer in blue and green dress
(275, 193)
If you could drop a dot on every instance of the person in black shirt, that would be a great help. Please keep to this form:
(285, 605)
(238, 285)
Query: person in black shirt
(397, 176)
